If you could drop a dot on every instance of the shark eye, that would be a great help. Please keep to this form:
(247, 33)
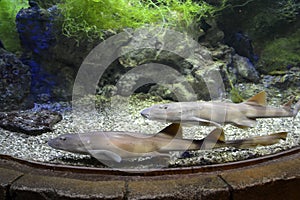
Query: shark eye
(163, 107)
(63, 138)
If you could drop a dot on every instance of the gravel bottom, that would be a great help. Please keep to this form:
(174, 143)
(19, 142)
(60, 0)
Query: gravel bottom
(124, 115)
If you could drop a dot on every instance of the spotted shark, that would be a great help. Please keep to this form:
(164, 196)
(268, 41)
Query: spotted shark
(242, 115)
(118, 146)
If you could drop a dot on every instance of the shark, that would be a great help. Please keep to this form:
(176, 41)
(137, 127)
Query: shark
(118, 146)
(241, 115)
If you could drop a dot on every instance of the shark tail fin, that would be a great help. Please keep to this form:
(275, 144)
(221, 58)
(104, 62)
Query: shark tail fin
(258, 140)
(288, 104)
(296, 109)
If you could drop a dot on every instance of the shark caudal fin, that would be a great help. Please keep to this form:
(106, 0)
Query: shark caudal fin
(258, 99)
(257, 140)
(296, 108)
(173, 130)
(288, 106)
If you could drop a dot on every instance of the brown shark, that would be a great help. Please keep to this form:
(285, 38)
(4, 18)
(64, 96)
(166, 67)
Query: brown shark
(118, 146)
(218, 113)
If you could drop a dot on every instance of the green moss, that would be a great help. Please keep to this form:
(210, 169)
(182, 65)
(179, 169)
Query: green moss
(8, 32)
(89, 18)
(280, 53)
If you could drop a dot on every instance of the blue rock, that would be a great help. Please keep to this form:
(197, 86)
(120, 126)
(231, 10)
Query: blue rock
(37, 34)
(15, 81)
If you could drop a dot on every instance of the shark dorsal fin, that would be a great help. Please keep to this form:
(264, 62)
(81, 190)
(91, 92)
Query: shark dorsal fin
(258, 99)
(173, 130)
(216, 135)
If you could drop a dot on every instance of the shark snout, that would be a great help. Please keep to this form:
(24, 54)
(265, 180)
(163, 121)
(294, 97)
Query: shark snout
(52, 143)
(146, 113)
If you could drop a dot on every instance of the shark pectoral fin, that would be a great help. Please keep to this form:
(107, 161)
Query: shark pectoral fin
(217, 135)
(105, 155)
(296, 108)
(173, 130)
(244, 122)
(215, 138)
(258, 99)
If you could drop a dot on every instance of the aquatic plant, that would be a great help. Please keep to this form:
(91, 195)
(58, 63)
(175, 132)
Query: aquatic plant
(287, 10)
(282, 53)
(8, 32)
(90, 18)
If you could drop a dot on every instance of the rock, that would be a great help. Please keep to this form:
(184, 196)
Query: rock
(36, 32)
(242, 45)
(53, 57)
(283, 79)
(210, 83)
(29, 122)
(172, 50)
(52, 79)
(213, 35)
(222, 52)
(171, 47)
(35, 27)
(245, 68)
(15, 81)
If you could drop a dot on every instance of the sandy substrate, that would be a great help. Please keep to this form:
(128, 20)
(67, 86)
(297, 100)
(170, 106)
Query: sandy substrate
(124, 115)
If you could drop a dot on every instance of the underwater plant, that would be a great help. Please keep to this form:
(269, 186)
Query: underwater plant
(8, 31)
(90, 18)
(287, 10)
(281, 53)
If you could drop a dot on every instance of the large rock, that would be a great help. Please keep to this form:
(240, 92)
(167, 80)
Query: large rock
(35, 28)
(53, 57)
(15, 81)
(178, 56)
(242, 44)
(29, 122)
(245, 68)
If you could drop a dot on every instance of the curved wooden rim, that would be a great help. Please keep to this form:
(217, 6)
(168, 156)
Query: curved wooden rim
(153, 172)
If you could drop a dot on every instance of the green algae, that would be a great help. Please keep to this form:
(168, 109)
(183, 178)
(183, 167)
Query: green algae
(281, 53)
(8, 30)
(89, 18)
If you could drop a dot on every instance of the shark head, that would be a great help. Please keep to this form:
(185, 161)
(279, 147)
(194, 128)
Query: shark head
(169, 112)
(68, 142)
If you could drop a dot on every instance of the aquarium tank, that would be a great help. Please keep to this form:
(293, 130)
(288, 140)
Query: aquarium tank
(149, 99)
(165, 83)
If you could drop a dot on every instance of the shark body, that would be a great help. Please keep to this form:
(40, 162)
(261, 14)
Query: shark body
(118, 146)
(218, 113)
